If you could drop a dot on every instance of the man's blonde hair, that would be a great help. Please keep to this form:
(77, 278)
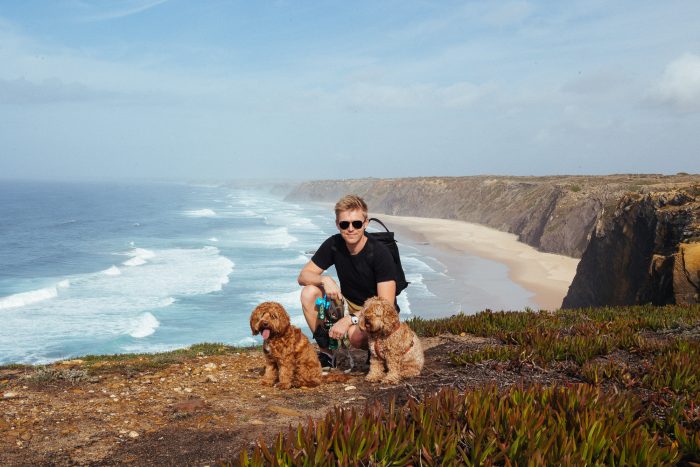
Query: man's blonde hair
(350, 202)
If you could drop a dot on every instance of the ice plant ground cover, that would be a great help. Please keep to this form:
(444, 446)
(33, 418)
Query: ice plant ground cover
(632, 398)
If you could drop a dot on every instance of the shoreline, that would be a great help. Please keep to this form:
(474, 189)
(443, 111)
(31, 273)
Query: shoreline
(546, 276)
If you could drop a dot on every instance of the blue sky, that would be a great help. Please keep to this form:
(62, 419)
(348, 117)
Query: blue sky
(179, 89)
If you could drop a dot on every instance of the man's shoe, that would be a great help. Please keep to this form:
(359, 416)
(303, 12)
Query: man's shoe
(327, 361)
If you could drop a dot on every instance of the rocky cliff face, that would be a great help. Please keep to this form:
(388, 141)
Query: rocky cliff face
(645, 250)
(553, 214)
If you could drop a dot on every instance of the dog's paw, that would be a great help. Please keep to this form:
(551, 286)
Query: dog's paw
(374, 378)
(285, 385)
(391, 379)
(267, 382)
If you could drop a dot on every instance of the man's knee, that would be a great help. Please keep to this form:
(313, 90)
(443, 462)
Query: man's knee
(309, 294)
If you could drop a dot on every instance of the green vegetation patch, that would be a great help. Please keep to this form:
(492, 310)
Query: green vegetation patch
(576, 425)
(638, 350)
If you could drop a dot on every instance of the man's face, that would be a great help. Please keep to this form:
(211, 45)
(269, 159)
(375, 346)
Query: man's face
(352, 233)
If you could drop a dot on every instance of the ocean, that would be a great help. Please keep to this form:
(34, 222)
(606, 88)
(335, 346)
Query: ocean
(105, 268)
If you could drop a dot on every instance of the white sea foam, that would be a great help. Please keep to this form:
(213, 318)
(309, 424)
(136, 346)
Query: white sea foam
(101, 307)
(247, 342)
(404, 304)
(413, 264)
(299, 321)
(139, 256)
(296, 260)
(289, 300)
(113, 271)
(144, 325)
(33, 296)
(213, 239)
(278, 237)
(200, 213)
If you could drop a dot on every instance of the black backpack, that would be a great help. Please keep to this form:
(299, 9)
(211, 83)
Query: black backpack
(387, 238)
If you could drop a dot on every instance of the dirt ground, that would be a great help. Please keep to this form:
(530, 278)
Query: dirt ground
(203, 410)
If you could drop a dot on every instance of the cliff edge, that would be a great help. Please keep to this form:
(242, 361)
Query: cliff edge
(645, 250)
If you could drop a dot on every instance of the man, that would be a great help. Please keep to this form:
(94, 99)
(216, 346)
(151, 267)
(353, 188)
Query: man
(364, 266)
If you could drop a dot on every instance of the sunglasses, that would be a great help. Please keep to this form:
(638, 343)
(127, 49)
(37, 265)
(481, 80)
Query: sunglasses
(355, 224)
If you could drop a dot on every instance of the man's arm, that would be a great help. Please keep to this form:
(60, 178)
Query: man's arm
(387, 291)
(311, 274)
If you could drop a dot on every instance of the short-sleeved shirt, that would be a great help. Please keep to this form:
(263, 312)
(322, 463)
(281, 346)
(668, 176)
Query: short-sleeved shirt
(360, 273)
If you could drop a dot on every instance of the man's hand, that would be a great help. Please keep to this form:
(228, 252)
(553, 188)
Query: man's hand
(331, 288)
(340, 328)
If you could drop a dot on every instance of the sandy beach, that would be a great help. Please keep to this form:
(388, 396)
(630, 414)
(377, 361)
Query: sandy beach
(547, 276)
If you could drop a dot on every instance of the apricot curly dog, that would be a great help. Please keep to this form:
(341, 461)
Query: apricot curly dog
(396, 351)
(290, 360)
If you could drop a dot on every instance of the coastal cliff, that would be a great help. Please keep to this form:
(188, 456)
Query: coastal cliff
(553, 214)
(638, 235)
(645, 250)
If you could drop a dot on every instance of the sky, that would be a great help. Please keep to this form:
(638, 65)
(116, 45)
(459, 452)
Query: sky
(183, 90)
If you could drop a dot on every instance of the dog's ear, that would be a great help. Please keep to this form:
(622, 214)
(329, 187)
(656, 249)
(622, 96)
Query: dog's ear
(254, 318)
(390, 317)
(283, 322)
(361, 324)
(370, 304)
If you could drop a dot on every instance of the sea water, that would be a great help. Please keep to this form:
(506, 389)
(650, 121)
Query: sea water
(104, 268)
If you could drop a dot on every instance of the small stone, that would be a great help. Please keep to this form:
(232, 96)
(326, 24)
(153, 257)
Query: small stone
(350, 388)
(257, 422)
(133, 434)
(190, 405)
(188, 390)
(211, 379)
(210, 367)
(10, 395)
(462, 334)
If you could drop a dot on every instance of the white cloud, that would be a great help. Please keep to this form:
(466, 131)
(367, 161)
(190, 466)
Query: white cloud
(679, 87)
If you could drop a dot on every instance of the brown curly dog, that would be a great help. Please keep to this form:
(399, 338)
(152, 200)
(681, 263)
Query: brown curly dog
(396, 351)
(290, 360)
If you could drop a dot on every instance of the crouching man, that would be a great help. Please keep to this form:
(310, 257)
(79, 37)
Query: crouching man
(365, 269)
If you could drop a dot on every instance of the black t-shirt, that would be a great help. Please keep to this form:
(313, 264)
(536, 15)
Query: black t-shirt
(358, 274)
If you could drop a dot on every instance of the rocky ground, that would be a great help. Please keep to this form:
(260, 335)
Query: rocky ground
(197, 411)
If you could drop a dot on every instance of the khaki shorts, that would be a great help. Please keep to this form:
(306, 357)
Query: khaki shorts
(352, 308)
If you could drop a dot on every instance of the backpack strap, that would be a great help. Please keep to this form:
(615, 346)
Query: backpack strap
(380, 222)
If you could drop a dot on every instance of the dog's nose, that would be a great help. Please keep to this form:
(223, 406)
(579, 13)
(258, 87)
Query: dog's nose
(263, 323)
